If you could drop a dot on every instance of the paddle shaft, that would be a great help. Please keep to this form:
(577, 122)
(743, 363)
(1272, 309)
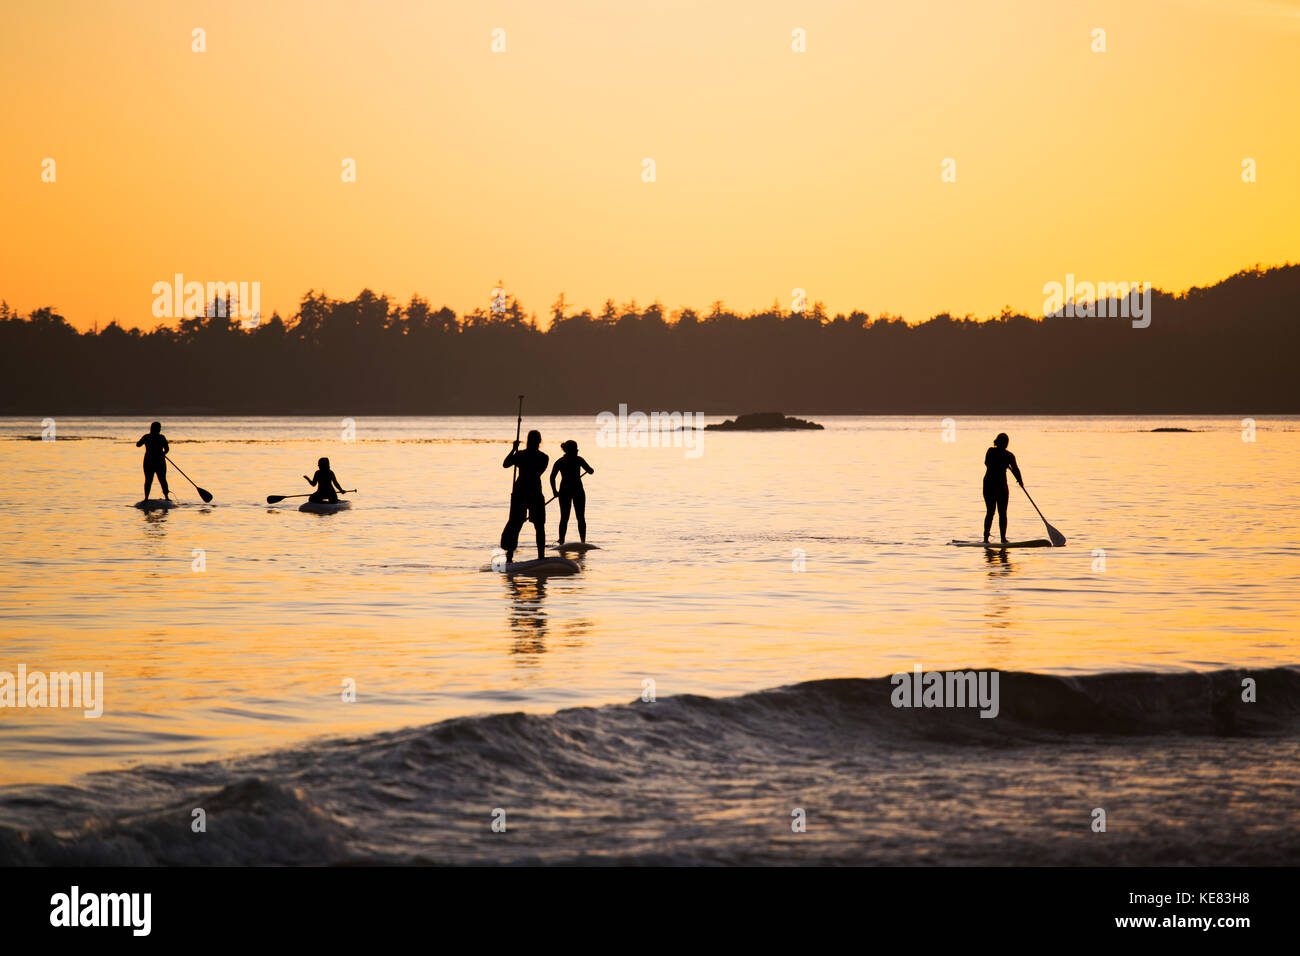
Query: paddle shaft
(519, 420)
(276, 499)
(1051, 532)
(1031, 501)
(557, 494)
(203, 493)
(178, 468)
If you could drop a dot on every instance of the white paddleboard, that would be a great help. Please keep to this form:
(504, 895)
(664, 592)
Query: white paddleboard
(575, 547)
(998, 545)
(152, 504)
(324, 507)
(536, 567)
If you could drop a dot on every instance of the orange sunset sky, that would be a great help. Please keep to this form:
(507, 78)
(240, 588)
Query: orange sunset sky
(775, 169)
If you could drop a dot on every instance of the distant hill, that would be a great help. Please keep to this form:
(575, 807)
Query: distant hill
(1228, 348)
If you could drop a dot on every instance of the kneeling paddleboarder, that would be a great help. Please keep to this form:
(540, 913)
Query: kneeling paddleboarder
(326, 483)
(526, 501)
(996, 462)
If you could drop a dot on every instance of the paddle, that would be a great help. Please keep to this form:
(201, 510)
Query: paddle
(518, 422)
(203, 492)
(276, 499)
(1058, 539)
(557, 494)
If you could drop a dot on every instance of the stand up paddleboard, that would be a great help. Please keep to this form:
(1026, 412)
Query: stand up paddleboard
(324, 507)
(998, 545)
(539, 568)
(575, 547)
(155, 504)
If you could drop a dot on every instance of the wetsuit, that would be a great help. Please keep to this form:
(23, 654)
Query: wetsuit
(155, 461)
(325, 483)
(996, 462)
(526, 500)
(571, 493)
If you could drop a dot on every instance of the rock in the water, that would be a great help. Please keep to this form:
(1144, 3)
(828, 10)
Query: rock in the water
(762, 421)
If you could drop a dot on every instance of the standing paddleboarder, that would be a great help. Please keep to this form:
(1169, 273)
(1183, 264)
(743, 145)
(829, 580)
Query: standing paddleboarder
(155, 459)
(570, 467)
(526, 500)
(996, 462)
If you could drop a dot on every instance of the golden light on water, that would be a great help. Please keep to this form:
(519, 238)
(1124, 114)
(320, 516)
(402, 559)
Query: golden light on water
(696, 584)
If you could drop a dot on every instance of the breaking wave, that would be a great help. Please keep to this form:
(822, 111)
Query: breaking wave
(1187, 770)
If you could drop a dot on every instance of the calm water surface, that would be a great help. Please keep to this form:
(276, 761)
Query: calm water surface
(695, 587)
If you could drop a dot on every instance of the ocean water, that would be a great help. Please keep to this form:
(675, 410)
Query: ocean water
(816, 562)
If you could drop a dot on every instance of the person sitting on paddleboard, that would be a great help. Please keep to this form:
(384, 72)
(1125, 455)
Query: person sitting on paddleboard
(526, 501)
(996, 462)
(155, 459)
(571, 494)
(326, 482)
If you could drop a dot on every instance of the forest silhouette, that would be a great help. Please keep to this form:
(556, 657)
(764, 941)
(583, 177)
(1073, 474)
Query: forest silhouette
(1226, 348)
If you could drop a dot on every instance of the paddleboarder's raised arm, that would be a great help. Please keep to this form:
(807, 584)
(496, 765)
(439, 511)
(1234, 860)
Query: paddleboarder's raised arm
(583, 463)
(1015, 470)
(510, 458)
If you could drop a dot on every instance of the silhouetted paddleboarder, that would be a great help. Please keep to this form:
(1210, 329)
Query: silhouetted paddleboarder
(526, 500)
(326, 482)
(155, 459)
(996, 462)
(569, 467)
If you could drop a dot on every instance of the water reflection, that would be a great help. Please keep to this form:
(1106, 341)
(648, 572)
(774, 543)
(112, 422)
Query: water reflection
(530, 623)
(527, 614)
(999, 562)
(155, 531)
(999, 565)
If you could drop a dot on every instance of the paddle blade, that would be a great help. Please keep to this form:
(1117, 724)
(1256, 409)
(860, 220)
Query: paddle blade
(204, 494)
(275, 499)
(1058, 539)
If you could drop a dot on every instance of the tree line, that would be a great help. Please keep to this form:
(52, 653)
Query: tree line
(1226, 348)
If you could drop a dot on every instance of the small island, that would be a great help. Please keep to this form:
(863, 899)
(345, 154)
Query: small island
(761, 421)
(1173, 430)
